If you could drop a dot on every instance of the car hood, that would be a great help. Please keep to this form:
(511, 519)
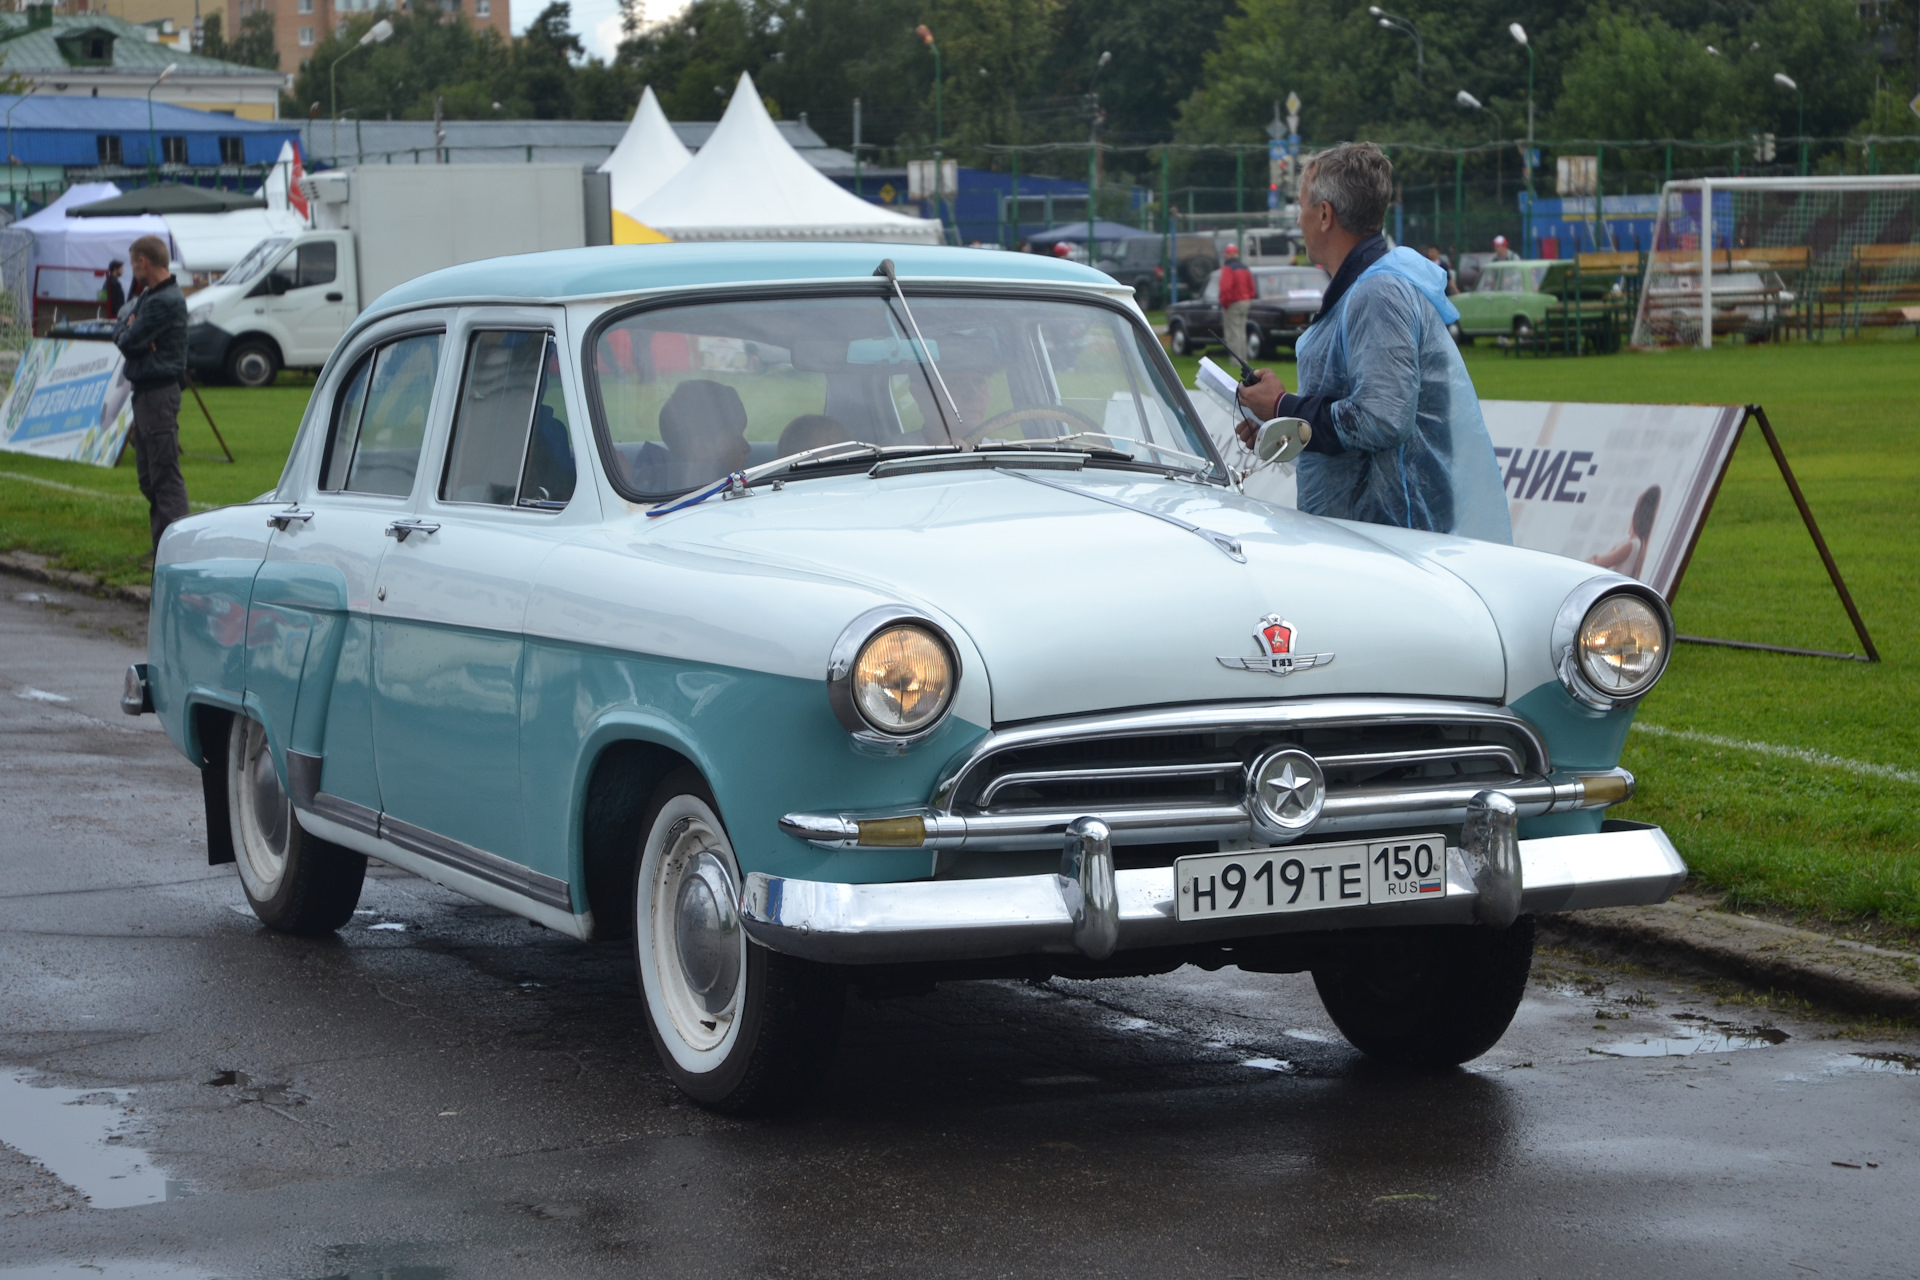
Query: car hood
(1078, 605)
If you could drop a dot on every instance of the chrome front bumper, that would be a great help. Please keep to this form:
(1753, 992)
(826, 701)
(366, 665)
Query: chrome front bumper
(1627, 865)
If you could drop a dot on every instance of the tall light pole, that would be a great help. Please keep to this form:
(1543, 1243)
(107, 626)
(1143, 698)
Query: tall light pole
(13, 199)
(1786, 81)
(1472, 103)
(379, 33)
(152, 167)
(1094, 117)
(939, 185)
(1394, 22)
(1519, 34)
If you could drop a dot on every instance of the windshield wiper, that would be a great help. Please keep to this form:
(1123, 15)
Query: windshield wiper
(921, 352)
(739, 483)
(1202, 464)
(1051, 444)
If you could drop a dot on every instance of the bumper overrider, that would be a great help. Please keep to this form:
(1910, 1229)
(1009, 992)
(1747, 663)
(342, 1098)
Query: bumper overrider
(1377, 767)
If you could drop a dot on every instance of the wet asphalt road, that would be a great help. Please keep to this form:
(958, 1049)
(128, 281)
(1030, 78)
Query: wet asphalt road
(469, 1095)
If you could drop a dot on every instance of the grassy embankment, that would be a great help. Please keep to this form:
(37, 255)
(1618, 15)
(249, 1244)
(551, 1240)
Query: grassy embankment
(1789, 782)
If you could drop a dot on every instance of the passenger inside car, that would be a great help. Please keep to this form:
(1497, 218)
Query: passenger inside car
(810, 431)
(704, 428)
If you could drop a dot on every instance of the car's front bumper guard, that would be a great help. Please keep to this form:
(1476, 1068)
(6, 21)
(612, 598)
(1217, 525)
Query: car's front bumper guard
(1350, 811)
(1094, 910)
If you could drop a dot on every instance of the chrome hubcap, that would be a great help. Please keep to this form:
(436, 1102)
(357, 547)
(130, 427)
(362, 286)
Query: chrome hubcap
(707, 932)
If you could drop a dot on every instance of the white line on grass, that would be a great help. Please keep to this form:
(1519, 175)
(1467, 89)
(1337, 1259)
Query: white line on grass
(1802, 754)
(102, 494)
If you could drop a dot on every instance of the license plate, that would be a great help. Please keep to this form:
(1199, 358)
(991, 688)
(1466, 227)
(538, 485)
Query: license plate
(1260, 882)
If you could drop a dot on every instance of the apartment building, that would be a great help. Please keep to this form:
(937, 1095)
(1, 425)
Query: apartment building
(300, 25)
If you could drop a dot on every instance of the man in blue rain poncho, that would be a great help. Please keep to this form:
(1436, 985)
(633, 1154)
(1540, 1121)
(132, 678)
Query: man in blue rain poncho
(1397, 434)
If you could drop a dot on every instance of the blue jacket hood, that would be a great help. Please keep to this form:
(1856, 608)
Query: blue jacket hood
(1428, 277)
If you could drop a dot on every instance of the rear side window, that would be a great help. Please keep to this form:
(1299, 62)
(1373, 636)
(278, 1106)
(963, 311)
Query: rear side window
(380, 419)
(510, 442)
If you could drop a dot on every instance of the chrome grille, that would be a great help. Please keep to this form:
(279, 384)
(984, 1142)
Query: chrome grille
(1126, 764)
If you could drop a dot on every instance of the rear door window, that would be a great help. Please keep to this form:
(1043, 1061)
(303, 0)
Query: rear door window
(510, 443)
(380, 418)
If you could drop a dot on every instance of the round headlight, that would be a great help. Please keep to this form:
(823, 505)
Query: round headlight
(1623, 646)
(902, 680)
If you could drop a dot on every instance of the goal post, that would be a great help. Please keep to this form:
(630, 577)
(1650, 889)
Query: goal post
(1762, 258)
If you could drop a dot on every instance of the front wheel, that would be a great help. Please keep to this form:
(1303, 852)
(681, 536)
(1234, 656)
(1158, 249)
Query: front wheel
(739, 1028)
(253, 362)
(296, 883)
(1434, 996)
(1177, 339)
(1256, 342)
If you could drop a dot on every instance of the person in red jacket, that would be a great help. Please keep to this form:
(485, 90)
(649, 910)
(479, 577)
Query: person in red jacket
(1237, 292)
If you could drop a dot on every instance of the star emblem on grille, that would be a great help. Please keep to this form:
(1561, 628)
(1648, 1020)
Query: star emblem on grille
(1292, 792)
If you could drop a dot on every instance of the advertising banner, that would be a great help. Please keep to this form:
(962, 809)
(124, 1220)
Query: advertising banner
(69, 400)
(1621, 486)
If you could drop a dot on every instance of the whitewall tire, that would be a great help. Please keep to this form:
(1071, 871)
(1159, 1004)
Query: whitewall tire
(295, 883)
(738, 1028)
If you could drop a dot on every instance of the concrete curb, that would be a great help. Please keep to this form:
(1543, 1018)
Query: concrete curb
(25, 564)
(1691, 934)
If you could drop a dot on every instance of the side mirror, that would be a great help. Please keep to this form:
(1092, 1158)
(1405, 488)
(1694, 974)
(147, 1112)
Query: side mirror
(1282, 439)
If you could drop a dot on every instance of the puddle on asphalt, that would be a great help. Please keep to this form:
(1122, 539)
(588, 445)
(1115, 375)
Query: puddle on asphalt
(76, 1134)
(139, 1269)
(1695, 1034)
(1905, 1064)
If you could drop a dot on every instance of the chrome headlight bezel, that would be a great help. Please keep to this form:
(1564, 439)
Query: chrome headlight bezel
(1571, 621)
(845, 656)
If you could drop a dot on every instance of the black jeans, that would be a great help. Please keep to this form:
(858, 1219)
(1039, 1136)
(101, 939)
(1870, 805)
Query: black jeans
(156, 451)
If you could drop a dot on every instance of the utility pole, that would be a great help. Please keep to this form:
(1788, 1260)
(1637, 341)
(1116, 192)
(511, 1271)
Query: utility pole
(1095, 117)
(939, 170)
(856, 147)
(1519, 33)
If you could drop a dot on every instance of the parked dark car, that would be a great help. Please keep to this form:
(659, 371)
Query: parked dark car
(1289, 299)
(1138, 262)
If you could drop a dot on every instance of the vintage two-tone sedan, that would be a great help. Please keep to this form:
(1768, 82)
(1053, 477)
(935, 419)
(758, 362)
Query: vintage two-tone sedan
(817, 615)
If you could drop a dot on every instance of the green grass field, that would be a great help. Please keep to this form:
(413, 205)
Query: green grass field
(1790, 783)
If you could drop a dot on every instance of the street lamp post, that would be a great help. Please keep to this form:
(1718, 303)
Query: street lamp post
(1394, 22)
(939, 177)
(152, 168)
(1472, 103)
(13, 199)
(1519, 34)
(1786, 81)
(379, 33)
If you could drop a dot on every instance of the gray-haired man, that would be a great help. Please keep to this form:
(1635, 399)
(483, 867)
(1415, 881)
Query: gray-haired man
(1397, 434)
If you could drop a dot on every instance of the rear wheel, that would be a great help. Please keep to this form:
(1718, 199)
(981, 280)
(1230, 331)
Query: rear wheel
(1256, 342)
(1522, 331)
(1435, 996)
(739, 1028)
(296, 883)
(253, 362)
(1177, 339)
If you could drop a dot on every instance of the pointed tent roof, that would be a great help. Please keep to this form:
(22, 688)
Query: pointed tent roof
(747, 183)
(649, 155)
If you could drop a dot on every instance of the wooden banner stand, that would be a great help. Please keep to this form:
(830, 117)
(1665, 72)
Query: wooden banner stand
(1758, 414)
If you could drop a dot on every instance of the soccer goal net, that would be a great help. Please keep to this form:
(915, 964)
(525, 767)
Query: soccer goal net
(1760, 259)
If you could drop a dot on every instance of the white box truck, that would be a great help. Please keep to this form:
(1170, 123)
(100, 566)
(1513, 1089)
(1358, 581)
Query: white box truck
(291, 298)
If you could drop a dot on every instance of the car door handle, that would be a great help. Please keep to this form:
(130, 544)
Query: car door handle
(336, 297)
(399, 529)
(282, 519)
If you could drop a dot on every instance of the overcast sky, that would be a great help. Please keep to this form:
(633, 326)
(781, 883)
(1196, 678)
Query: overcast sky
(597, 21)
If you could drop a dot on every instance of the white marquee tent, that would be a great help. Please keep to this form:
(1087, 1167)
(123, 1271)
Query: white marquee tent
(649, 156)
(747, 183)
(71, 254)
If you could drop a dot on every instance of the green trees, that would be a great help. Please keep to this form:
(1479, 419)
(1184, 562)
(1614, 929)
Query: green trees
(252, 47)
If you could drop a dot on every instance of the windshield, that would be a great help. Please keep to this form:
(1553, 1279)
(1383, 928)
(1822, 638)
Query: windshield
(1291, 282)
(690, 394)
(255, 264)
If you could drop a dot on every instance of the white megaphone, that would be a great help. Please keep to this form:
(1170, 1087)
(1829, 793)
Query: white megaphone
(1281, 439)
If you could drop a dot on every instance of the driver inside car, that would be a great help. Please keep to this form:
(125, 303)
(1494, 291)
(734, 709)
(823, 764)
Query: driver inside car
(972, 392)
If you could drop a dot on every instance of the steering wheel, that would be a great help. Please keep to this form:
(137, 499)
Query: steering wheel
(1036, 413)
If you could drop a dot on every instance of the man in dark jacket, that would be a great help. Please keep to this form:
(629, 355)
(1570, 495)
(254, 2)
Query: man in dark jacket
(152, 335)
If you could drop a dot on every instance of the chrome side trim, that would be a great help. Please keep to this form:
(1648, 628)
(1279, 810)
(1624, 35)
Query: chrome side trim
(1233, 717)
(1042, 776)
(560, 919)
(356, 817)
(490, 867)
(1623, 865)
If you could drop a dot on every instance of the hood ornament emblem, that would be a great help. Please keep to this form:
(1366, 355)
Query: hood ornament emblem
(1275, 637)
